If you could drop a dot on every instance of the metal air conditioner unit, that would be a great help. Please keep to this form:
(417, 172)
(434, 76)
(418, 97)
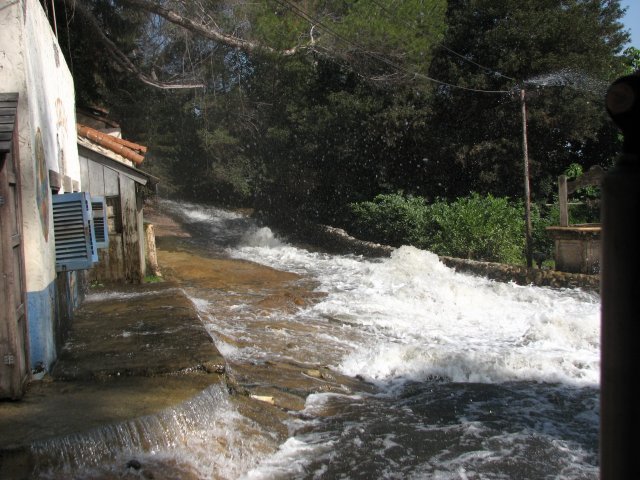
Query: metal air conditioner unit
(74, 232)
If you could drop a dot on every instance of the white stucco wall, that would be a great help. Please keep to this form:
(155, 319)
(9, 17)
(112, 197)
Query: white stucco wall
(32, 64)
(11, 40)
(12, 64)
(49, 80)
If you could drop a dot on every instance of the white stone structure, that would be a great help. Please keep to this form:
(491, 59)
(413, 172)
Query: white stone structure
(32, 64)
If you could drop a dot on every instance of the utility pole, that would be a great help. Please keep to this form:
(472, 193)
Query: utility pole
(527, 189)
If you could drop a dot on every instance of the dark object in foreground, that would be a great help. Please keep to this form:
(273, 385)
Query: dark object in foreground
(620, 291)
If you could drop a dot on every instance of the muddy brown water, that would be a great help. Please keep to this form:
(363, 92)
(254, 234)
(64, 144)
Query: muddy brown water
(435, 343)
(283, 410)
(265, 392)
(111, 401)
(265, 292)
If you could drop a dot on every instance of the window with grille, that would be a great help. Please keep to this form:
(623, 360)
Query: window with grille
(100, 221)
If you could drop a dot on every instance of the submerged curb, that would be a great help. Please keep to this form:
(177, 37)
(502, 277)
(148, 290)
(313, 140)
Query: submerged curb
(525, 276)
(131, 353)
(339, 240)
(144, 330)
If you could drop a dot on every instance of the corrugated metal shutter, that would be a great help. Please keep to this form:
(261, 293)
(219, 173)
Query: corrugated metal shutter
(100, 224)
(75, 242)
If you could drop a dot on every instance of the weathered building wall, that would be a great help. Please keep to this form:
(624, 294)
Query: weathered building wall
(124, 259)
(32, 64)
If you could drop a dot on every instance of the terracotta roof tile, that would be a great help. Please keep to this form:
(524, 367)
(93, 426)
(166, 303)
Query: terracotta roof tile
(129, 150)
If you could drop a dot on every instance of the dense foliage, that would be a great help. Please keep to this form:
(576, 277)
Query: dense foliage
(476, 227)
(393, 219)
(563, 54)
(306, 107)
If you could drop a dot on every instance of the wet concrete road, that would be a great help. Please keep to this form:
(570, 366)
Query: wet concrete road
(131, 352)
(282, 385)
(137, 350)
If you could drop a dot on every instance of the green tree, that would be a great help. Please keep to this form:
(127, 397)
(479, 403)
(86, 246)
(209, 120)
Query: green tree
(330, 138)
(364, 33)
(304, 104)
(308, 106)
(632, 60)
(564, 54)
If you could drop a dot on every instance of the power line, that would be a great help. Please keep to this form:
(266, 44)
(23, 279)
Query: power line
(314, 21)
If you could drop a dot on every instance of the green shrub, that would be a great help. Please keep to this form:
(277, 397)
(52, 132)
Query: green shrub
(478, 227)
(475, 227)
(391, 219)
(543, 216)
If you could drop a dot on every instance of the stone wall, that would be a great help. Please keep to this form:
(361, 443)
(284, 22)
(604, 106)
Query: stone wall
(524, 276)
(337, 240)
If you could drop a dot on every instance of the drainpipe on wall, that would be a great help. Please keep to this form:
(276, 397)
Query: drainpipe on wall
(620, 291)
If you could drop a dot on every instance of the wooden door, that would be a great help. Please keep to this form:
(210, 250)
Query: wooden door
(14, 359)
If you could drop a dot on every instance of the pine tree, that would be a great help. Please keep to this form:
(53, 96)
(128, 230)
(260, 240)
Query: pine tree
(564, 54)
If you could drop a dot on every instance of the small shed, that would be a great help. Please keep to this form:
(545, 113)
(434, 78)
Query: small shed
(108, 170)
(577, 247)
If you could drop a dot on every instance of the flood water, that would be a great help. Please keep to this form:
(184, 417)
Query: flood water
(472, 378)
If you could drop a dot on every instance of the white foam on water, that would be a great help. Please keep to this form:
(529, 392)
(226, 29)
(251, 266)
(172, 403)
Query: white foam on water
(193, 212)
(201, 304)
(205, 435)
(410, 318)
(260, 237)
(118, 295)
(291, 461)
(297, 453)
(425, 319)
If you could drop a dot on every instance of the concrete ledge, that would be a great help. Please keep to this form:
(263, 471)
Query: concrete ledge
(338, 240)
(131, 352)
(524, 276)
(56, 409)
(143, 330)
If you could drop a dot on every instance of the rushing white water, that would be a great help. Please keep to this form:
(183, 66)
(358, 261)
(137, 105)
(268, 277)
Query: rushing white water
(476, 378)
(204, 438)
(426, 320)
